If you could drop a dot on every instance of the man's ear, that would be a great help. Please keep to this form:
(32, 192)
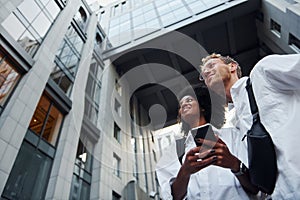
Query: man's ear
(233, 67)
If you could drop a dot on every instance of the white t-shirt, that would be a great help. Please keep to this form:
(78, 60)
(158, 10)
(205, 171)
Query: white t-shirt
(212, 182)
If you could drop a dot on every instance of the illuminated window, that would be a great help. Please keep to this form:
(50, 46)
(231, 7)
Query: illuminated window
(8, 79)
(46, 120)
(30, 174)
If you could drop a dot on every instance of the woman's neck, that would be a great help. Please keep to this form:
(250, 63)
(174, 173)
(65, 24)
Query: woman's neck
(198, 122)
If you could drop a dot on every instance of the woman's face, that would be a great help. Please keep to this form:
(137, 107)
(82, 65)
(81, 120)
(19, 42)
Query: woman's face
(189, 108)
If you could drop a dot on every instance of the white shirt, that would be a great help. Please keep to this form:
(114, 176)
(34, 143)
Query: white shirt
(211, 182)
(276, 86)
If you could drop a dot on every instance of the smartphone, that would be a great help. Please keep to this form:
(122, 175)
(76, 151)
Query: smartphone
(203, 132)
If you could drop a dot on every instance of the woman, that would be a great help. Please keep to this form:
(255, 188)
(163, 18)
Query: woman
(207, 171)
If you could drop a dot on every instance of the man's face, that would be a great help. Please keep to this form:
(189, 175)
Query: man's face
(215, 71)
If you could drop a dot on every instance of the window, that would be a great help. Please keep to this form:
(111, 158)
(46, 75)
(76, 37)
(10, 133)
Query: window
(82, 176)
(294, 43)
(172, 11)
(101, 16)
(275, 28)
(29, 176)
(9, 77)
(118, 107)
(93, 90)
(30, 22)
(116, 165)
(115, 196)
(118, 87)
(98, 43)
(145, 20)
(66, 60)
(46, 120)
(117, 132)
(81, 18)
(154, 155)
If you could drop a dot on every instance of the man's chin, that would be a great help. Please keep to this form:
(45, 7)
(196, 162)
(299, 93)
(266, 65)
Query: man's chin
(216, 86)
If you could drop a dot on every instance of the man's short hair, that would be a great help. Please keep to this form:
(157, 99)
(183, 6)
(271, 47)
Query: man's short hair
(225, 59)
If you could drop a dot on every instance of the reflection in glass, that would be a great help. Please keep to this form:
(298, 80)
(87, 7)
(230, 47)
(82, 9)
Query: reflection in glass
(8, 79)
(67, 59)
(29, 23)
(29, 176)
(92, 92)
(81, 182)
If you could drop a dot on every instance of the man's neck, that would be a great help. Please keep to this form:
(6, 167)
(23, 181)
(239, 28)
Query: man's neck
(228, 85)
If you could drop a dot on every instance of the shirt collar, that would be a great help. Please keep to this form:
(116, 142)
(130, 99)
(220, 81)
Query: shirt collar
(237, 87)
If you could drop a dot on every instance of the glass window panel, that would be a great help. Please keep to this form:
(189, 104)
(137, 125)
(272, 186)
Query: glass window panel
(154, 24)
(13, 26)
(138, 20)
(148, 7)
(114, 21)
(175, 4)
(198, 7)
(124, 17)
(97, 93)
(164, 9)
(53, 9)
(116, 165)
(41, 24)
(137, 12)
(52, 126)
(160, 2)
(89, 87)
(85, 190)
(93, 67)
(181, 13)
(87, 105)
(168, 19)
(150, 15)
(114, 31)
(29, 9)
(66, 84)
(124, 27)
(39, 116)
(29, 176)
(8, 79)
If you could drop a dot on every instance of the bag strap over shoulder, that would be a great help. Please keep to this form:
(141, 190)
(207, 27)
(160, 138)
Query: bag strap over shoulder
(253, 105)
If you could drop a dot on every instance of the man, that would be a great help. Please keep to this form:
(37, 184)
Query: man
(276, 85)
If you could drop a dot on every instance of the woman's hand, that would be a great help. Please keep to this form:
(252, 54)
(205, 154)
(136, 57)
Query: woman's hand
(224, 158)
(196, 160)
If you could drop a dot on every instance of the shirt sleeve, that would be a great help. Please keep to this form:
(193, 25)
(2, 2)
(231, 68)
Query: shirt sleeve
(281, 71)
